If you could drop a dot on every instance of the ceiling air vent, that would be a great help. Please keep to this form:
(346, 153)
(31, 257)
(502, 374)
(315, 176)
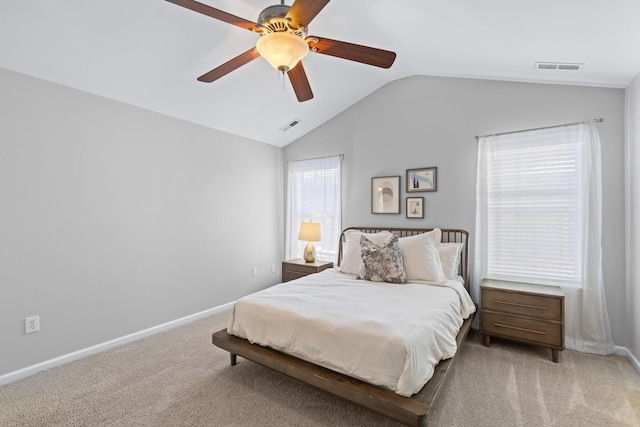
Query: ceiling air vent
(558, 66)
(289, 125)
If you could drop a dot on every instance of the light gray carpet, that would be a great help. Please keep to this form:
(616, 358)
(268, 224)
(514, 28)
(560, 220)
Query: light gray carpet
(178, 378)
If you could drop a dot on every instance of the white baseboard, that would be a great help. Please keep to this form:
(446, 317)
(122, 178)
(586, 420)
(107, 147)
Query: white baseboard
(47, 364)
(623, 351)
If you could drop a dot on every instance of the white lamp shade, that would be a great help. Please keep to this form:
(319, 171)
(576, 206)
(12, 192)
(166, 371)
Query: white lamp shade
(309, 231)
(283, 50)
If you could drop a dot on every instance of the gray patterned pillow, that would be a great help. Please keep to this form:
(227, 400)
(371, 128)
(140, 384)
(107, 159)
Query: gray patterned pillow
(381, 262)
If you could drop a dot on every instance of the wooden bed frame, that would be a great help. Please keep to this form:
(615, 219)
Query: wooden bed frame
(411, 411)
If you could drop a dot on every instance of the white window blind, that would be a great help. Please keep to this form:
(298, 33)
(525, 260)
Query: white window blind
(314, 193)
(534, 210)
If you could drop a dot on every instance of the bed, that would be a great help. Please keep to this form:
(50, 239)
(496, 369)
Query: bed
(371, 342)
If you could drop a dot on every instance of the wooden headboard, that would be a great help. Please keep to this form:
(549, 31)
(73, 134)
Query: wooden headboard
(448, 235)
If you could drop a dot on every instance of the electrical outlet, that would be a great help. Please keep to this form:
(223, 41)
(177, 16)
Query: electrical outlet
(31, 324)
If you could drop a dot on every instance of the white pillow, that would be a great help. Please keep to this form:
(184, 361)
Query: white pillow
(421, 256)
(450, 254)
(350, 262)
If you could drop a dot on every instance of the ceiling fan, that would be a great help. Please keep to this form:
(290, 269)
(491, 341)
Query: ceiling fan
(284, 42)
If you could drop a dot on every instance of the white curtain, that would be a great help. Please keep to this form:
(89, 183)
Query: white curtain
(314, 193)
(539, 220)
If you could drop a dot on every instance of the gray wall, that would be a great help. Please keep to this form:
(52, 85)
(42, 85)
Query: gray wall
(431, 121)
(633, 217)
(114, 219)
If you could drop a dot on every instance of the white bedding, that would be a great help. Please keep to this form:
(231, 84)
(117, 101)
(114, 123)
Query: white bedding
(385, 334)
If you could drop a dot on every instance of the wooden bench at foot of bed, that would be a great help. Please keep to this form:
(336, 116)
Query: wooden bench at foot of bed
(411, 411)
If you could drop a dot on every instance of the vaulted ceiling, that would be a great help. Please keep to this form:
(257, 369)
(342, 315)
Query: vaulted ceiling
(148, 53)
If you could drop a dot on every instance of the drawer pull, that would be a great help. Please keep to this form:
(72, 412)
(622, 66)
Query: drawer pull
(537, 307)
(520, 329)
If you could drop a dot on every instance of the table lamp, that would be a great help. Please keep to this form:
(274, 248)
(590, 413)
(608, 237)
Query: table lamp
(309, 232)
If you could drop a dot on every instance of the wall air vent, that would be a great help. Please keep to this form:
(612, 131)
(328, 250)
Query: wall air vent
(559, 66)
(289, 125)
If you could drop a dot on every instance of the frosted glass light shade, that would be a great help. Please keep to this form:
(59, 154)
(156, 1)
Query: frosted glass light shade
(283, 50)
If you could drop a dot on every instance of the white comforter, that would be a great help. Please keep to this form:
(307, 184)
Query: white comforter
(385, 334)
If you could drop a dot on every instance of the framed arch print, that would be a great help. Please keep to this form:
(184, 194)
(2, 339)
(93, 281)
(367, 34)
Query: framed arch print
(385, 195)
(422, 179)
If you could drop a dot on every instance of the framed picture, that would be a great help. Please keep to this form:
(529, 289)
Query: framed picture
(385, 195)
(415, 207)
(423, 179)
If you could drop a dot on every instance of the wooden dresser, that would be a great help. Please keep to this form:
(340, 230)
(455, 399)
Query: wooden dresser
(296, 268)
(522, 312)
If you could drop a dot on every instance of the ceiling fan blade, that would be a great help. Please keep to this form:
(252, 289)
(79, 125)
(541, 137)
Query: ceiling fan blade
(300, 83)
(302, 12)
(352, 52)
(229, 66)
(215, 13)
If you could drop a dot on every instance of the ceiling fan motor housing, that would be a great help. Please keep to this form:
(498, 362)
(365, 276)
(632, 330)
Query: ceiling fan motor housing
(272, 20)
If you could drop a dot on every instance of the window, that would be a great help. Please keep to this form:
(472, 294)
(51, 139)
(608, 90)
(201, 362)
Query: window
(313, 193)
(539, 219)
(533, 205)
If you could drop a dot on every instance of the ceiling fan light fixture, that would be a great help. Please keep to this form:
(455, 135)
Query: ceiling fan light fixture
(282, 49)
(284, 42)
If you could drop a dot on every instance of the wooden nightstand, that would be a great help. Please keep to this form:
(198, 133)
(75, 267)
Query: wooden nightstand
(296, 268)
(522, 312)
